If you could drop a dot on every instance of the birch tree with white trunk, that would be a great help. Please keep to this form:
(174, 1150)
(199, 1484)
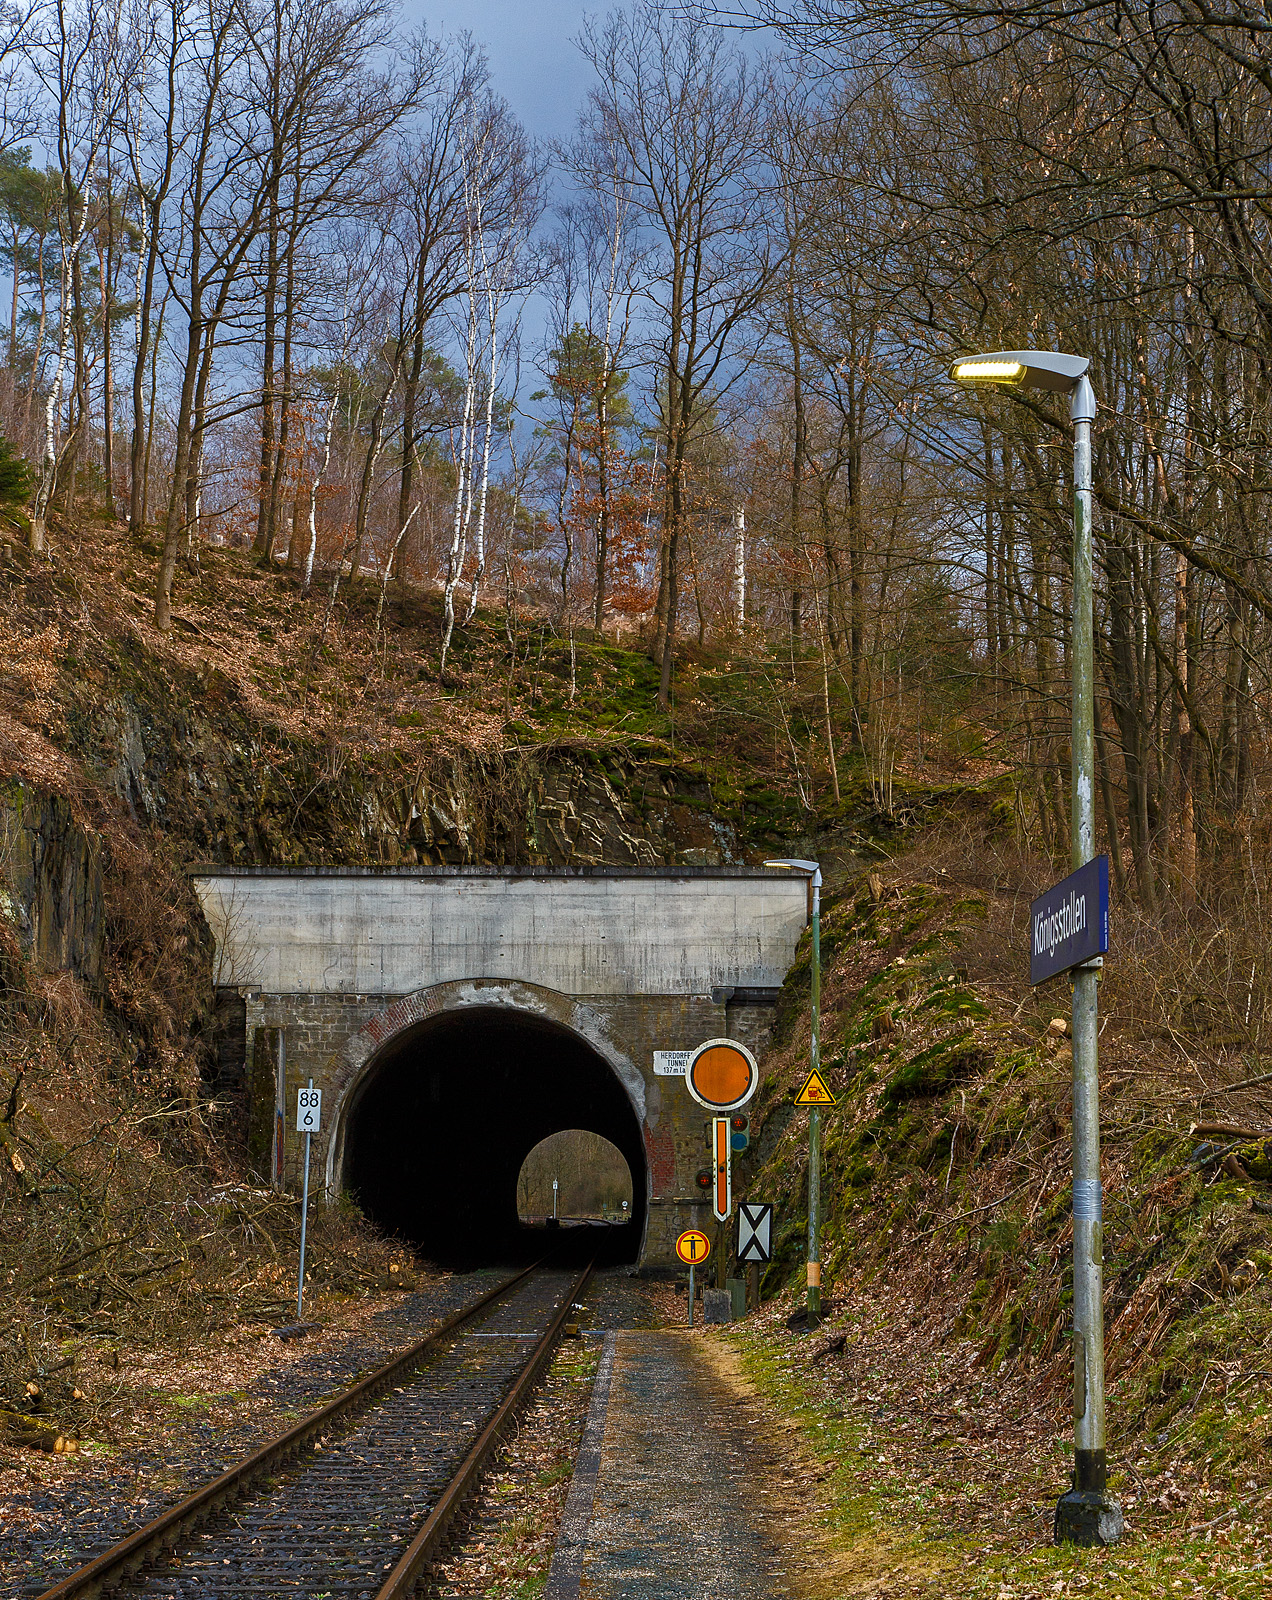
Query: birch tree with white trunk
(77, 58)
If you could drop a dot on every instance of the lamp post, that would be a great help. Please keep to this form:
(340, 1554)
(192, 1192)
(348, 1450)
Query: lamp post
(1085, 1515)
(812, 871)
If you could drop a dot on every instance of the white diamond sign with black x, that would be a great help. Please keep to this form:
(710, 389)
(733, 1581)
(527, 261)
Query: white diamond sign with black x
(755, 1232)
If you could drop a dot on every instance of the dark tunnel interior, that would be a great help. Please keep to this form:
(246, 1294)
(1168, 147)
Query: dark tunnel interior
(444, 1119)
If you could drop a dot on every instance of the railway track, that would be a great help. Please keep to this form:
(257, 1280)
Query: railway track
(353, 1502)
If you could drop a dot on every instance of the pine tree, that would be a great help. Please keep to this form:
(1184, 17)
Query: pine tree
(15, 475)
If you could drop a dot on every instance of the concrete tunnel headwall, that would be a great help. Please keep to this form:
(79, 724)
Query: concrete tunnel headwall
(430, 1004)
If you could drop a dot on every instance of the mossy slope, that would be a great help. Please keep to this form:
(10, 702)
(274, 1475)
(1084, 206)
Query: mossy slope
(946, 1175)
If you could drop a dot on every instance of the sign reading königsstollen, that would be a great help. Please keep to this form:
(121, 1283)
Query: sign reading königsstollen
(1070, 923)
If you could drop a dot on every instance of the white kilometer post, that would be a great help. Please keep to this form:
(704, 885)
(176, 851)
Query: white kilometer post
(308, 1122)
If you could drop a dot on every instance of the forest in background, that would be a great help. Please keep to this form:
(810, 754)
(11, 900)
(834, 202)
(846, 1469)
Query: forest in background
(592, 1177)
(271, 267)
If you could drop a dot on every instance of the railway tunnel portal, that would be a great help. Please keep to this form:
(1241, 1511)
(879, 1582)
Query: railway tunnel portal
(456, 1016)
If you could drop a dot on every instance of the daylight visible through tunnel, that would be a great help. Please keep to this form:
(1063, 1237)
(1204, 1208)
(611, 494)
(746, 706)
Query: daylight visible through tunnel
(574, 1175)
(441, 1126)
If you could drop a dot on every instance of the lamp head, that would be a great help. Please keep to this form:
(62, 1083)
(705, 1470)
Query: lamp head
(1027, 369)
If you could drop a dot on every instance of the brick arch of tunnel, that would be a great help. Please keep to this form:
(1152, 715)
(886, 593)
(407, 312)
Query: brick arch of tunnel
(434, 1130)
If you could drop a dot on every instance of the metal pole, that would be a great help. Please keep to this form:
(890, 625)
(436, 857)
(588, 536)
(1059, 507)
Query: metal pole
(691, 1294)
(813, 873)
(814, 1117)
(554, 1199)
(304, 1222)
(1086, 1516)
(280, 1111)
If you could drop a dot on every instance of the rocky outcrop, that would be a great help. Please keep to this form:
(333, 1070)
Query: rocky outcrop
(206, 781)
(189, 761)
(52, 889)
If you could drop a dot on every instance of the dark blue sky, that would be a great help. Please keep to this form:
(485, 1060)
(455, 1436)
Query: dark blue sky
(536, 68)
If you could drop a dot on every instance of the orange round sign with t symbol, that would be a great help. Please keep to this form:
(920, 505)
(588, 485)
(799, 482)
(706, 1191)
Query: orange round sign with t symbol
(693, 1247)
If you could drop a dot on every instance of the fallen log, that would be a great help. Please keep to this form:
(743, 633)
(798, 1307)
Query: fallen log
(1241, 1083)
(34, 1433)
(829, 1347)
(1228, 1130)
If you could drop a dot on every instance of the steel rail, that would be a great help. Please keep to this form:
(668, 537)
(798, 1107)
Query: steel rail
(401, 1582)
(131, 1553)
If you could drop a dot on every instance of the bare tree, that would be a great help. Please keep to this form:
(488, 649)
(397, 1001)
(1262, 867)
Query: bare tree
(600, 272)
(77, 58)
(428, 186)
(501, 205)
(328, 111)
(684, 118)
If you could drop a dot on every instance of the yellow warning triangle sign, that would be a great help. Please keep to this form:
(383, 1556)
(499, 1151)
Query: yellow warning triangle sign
(815, 1092)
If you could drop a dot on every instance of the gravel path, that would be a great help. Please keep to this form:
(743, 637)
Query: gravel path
(688, 1502)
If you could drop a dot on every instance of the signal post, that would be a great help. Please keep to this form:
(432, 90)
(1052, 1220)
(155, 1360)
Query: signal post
(722, 1076)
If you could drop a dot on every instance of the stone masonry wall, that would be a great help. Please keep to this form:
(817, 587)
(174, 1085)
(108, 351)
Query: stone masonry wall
(336, 1040)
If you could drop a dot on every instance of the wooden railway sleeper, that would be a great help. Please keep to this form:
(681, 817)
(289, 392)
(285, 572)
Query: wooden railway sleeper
(424, 1548)
(131, 1554)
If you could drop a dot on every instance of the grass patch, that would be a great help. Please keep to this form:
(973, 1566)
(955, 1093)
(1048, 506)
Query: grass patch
(926, 1528)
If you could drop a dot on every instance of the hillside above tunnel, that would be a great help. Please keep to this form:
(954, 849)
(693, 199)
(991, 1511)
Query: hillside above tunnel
(267, 731)
(246, 742)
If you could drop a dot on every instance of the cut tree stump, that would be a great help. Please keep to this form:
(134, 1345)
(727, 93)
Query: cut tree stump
(34, 1433)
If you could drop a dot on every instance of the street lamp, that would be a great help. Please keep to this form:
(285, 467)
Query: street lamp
(812, 871)
(1086, 1515)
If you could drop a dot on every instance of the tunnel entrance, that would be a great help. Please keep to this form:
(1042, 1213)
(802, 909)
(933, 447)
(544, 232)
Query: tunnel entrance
(444, 1119)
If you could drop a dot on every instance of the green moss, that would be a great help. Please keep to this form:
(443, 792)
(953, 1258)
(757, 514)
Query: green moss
(934, 1069)
(955, 1001)
(1256, 1159)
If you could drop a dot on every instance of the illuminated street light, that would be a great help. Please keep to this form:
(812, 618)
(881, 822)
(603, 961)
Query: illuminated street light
(988, 371)
(1027, 369)
(1086, 1515)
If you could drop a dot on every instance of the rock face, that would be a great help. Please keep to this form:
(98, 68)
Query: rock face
(206, 780)
(188, 759)
(52, 894)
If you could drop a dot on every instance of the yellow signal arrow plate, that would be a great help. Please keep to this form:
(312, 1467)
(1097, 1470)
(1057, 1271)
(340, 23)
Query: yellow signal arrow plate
(816, 1092)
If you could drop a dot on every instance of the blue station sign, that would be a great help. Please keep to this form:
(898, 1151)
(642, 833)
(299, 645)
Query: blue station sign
(1070, 923)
